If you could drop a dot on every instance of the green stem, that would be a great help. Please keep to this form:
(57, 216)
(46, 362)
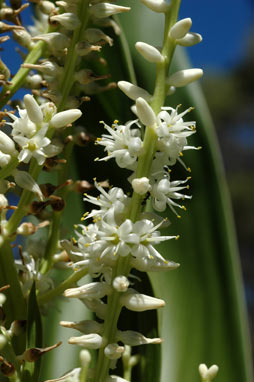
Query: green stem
(72, 279)
(7, 170)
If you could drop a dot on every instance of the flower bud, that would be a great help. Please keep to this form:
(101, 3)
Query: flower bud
(4, 159)
(33, 81)
(46, 7)
(92, 290)
(3, 203)
(85, 358)
(64, 118)
(33, 109)
(212, 371)
(23, 38)
(83, 48)
(18, 327)
(96, 306)
(159, 6)
(68, 20)
(7, 146)
(93, 35)
(180, 28)
(190, 39)
(86, 326)
(141, 185)
(131, 338)
(184, 77)
(145, 112)
(56, 41)
(121, 283)
(133, 91)
(2, 298)
(90, 341)
(24, 180)
(138, 302)
(102, 10)
(149, 52)
(113, 351)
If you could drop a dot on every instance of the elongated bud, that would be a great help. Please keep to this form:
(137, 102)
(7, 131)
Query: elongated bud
(90, 341)
(24, 180)
(68, 20)
(7, 146)
(141, 185)
(121, 283)
(102, 10)
(159, 6)
(131, 338)
(56, 40)
(190, 39)
(85, 358)
(138, 302)
(180, 28)
(150, 265)
(33, 109)
(184, 77)
(86, 326)
(64, 118)
(23, 38)
(145, 112)
(47, 67)
(133, 91)
(113, 351)
(92, 290)
(46, 7)
(32, 354)
(149, 52)
(93, 35)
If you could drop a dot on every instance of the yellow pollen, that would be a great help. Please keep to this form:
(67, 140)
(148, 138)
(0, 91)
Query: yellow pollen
(179, 217)
(74, 240)
(87, 245)
(98, 139)
(116, 121)
(188, 187)
(177, 237)
(199, 147)
(101, 122)
(96, 159)
(82, 219)
(75, 226)
(189, 169)
(181, 154)
(184, 208)
(165, 261)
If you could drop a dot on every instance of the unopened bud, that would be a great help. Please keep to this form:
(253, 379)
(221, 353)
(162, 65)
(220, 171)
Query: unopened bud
(26, 229)
(23, 38)
(85, 358)
(138, 302)
(121, 283)
(180, 28)
(141, 185)
(34, 81)
(184, 77)
(190, 39)
(115, 378)
(46, 7)
(57, 41)
(159, 6)
(33, 109)
(90, 341)
(4, 159)
(47, 67)
(68, 20)
(113, 351)
(103, 10)
(93, 290)
(64, 118)
(86, 326)
(149, 52)
(133, 91)
(7, 146)
(94, 35)
(3, 204)
(145, 112)
(25, 180)
(131, 338)
(2, 298)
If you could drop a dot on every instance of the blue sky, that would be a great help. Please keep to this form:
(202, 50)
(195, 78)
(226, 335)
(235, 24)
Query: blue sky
(225, 27)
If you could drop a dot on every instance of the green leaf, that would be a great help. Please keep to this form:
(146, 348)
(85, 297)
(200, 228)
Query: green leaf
(31, 370)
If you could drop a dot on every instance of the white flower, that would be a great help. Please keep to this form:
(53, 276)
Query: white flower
(164, 191)
(123, 144)
(113, 202)
(38, 146)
